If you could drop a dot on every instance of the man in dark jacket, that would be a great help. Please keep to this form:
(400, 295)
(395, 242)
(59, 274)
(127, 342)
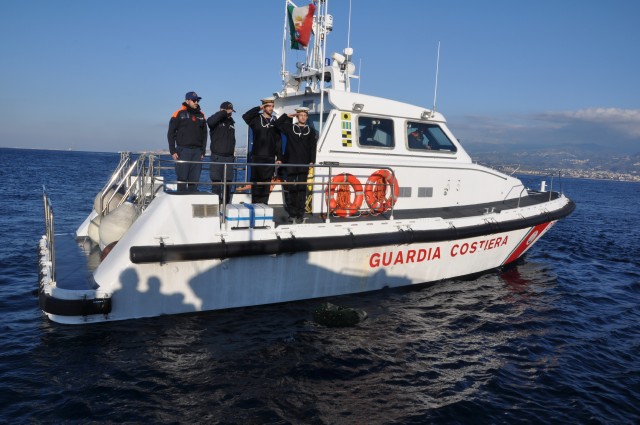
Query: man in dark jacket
(300, 149)
(187, 137)
(223, 145)
(266, 146)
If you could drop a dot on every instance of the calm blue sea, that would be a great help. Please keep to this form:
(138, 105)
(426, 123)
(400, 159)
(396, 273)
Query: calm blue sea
(555, 339)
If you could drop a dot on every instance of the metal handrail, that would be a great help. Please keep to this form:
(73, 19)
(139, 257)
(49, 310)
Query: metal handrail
(126, 182)
(130, 179)
(117, 174)
(49, 232)
(239, 165)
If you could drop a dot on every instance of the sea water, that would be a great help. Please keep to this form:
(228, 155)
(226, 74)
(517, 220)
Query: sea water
(555, 339)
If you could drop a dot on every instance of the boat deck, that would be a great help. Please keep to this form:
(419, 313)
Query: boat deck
(76, 259)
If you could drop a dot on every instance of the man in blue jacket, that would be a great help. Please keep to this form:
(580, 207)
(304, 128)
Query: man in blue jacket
(187, 138)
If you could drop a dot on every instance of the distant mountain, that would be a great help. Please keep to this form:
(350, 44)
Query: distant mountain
(573, 148)
(585, 156)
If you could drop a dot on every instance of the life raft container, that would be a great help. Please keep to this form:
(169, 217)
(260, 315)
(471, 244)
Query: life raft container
(339, 195)
(381, 191)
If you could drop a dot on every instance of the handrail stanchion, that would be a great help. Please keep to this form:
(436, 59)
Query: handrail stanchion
(52, 247)
(393, 191)
(49, 232)
(328, 201)
(224, 187)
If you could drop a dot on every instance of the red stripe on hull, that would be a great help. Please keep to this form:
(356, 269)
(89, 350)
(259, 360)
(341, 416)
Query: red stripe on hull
(528, 240)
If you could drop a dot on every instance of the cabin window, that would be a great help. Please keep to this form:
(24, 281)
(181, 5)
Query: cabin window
(314, 121)
(428, 137)
(375, 132)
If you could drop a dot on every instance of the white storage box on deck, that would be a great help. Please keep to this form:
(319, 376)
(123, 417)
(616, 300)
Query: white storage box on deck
(262, 215)
(238, 216)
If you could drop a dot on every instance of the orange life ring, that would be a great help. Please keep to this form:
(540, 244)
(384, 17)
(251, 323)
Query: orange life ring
(381, 191)
(339, 195)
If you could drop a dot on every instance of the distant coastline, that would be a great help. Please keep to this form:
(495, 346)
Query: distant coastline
(590, 174)
(576, 174)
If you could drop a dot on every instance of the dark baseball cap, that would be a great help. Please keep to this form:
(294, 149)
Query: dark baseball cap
(227, 105)
(192, 96)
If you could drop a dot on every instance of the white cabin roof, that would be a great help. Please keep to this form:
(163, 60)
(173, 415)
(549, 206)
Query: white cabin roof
(346, 101)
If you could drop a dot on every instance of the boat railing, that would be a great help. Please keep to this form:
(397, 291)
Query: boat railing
(134, 180)
(148, 181)
(116, 178)
(49, 232)
(242, 184)
(551, 177)
(166, 168)
(543, 188)
(117, 175)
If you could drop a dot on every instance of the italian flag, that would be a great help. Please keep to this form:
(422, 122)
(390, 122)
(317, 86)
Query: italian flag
(300, 23)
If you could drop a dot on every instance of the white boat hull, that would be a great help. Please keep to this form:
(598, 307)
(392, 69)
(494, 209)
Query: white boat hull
(154, 288)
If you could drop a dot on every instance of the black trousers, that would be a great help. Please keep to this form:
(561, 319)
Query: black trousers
(296, 193)
(261, 174)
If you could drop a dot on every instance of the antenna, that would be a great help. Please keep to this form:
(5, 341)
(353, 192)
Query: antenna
(360, 76)
(349, 27)
(435, 92)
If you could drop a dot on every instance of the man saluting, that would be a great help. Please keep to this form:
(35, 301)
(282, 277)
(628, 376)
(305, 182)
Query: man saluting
(266, 147)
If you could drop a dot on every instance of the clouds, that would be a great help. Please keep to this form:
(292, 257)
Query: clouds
(625, 121)
(610, 128)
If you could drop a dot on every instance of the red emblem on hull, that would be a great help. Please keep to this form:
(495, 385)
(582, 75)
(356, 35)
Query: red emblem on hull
(532, 235)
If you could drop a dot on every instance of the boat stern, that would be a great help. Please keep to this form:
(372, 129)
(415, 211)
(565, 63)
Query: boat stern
(70, 306)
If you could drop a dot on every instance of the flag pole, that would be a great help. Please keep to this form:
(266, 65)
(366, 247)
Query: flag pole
(324, 55)
(284, 47)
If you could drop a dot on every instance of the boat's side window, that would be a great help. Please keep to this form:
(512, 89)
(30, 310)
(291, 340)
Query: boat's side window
(376, 132)
(422, 136)
(313, 121)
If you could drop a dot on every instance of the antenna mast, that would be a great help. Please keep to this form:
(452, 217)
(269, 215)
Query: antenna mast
(349, 27)
(435, 92)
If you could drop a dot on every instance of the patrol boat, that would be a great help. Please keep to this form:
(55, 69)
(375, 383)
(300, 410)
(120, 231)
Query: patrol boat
(394, 200)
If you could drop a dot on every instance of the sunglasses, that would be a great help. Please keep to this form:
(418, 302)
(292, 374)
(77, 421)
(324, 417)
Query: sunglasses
(195, 100)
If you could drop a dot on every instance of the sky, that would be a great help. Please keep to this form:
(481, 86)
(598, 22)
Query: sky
(107, 75)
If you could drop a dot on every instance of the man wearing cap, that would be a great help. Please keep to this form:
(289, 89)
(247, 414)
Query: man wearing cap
(187, 137)
(300, 149)
(223, 145)
(417, 140)
(266, 146)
